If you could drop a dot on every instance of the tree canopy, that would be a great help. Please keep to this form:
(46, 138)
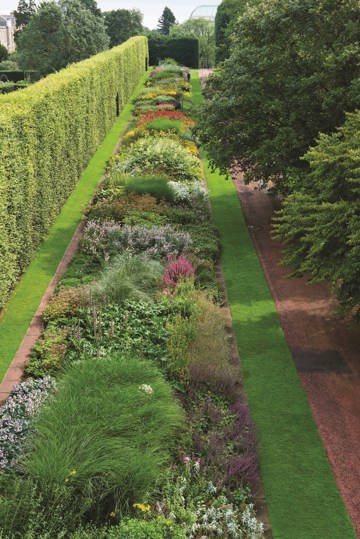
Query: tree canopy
(292, 73)
(121, 24)
(166, 21)
(203, 30)
(23, 14)
(59, 34)
(225, 20)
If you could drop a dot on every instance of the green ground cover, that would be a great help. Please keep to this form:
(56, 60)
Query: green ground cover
(27, 295)
(302, 496)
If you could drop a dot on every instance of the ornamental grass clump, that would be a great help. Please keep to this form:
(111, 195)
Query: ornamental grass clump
(128, 277)
(16, 417)
(104, 436)
(156, 186)
(163, 155)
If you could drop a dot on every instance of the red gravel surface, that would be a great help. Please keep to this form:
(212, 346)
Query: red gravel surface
(309, 323)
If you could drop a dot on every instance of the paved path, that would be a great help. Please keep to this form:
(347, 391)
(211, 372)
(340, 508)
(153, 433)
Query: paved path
(309, 323)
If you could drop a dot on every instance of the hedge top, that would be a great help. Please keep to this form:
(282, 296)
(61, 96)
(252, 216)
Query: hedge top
(18, 102)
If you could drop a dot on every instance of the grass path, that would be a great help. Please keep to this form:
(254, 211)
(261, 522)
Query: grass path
(302, 496)
(27, 295)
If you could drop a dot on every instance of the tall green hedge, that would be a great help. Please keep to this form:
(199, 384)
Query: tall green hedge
(48, 134)
(184, 50)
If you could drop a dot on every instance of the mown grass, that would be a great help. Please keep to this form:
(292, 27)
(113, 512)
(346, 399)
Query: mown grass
(27, 295)
(302, 496)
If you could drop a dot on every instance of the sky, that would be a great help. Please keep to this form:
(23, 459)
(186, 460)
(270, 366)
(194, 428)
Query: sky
(151, 9)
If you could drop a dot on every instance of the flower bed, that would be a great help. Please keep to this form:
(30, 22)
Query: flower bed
(142, 287)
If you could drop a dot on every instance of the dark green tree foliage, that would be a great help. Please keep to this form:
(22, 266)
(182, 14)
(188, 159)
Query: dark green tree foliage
(24, 12)
(166, 21)
(321, 223)
(291, 75)
(60, 34)
(225, 19)
(92, 6)
(3, 53)
(123, 23)
(184, 50)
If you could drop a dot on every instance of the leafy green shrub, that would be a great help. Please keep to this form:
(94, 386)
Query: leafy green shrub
(65, 304)
(164, 155)
(48, 354)
(135, 529)
(82, 270)
(106, 434)
(110, 209)
(50, 131)
(128, 277)
(145, 218)
(136, 327)
(205, 241)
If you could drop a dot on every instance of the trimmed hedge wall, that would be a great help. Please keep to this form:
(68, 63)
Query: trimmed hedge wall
(184, 50)
(48, 134)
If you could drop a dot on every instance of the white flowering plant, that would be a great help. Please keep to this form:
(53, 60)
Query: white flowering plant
(16, 417)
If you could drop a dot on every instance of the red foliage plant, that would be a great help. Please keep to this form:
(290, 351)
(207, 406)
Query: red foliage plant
(170, 114)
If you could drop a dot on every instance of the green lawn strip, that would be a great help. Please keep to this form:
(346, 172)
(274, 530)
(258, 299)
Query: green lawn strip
(302, 496)
(27, 295)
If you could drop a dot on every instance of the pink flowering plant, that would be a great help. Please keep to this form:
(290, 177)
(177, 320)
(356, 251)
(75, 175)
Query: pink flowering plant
(177, 269)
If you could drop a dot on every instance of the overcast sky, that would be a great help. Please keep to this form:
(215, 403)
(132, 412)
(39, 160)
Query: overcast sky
(151, 9)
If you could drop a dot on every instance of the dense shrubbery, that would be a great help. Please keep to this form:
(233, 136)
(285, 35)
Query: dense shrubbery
(321, 221)
(49, 133)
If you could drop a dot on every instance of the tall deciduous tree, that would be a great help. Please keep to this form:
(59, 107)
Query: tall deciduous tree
(291, 75)
(60, 34)
(123, 23)
(225, 21)
(203, 30)
(166, 21)
(23, 14)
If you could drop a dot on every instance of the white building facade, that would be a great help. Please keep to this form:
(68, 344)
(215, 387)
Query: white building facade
(7, 30)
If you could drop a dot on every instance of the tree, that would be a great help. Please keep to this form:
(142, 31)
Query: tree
(91, 5)
(225, 21)
(291, 75)
(121, 24)
(3, 53)
(166, 21)
(203, 30)
(60, 34)
(23, 15)
(321, 223)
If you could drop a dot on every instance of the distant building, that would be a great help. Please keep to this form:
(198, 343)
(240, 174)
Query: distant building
(7, 30)
(204, 12)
